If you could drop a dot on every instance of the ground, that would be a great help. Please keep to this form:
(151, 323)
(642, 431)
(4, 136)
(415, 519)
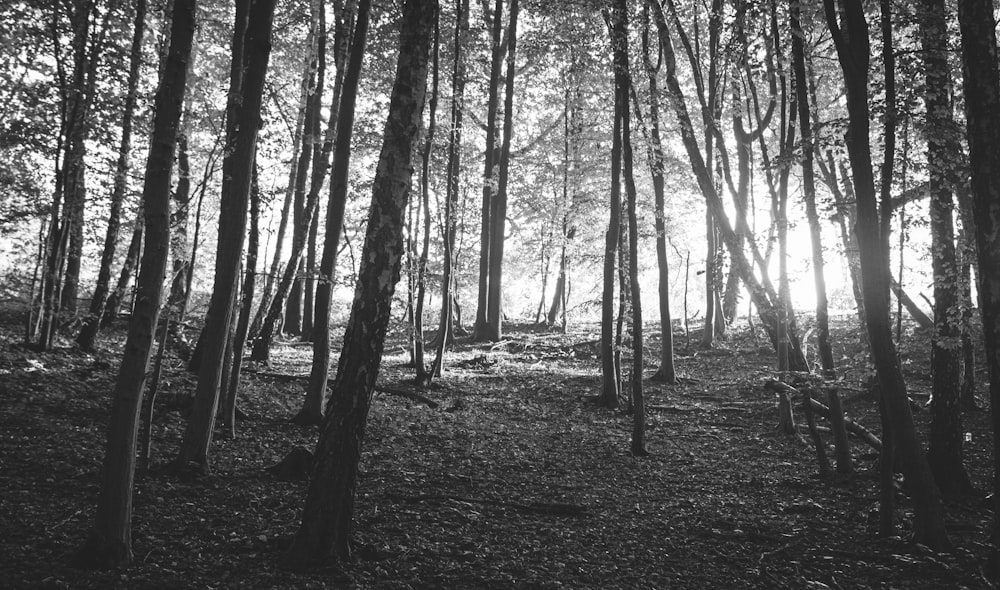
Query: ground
(515, 480)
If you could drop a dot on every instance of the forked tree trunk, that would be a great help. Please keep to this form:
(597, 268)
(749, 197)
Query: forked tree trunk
(312, 407)
(982, 105)
(850, 34)
(325, 532)
(109, 542)
(250, 55)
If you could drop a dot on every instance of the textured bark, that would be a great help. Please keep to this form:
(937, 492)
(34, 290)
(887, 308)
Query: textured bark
(944, 453)
(245, 113)
(98, 301)
(490, 174)
(312, 407)
(850, 35)
(109, 543)
(982, 104)
(325, 532)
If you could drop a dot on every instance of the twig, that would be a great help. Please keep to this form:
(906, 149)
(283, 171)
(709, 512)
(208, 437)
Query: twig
(556, 508)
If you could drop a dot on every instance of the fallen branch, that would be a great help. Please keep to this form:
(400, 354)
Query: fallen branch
(407, 394)
(853, 427)
(556, 508)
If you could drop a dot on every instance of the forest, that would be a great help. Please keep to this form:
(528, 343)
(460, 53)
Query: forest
(342, 293)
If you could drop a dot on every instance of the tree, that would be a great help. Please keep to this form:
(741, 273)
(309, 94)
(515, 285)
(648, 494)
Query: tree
(325, 531)
(982, 115)
(312, 408)
(109, 542)
(945, 450)
(250, 59)
(98, 302)
(490, 171)
(850, 35)
(809, 189)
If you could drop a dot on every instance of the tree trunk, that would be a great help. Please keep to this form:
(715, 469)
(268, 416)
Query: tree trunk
(491, 180)
(853, 51)
(88, 333)
(312, 407)
(325, 531)
(453, 179)
(982, 104)
(109, 542)
(250, 55)
(498, 211)
(945, 450)
(666, 372)
(809, 194)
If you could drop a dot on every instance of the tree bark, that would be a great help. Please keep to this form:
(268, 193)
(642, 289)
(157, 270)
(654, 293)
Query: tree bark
(312, 408)
(325, 531)
(982, 105)
(98, 301)
(944, 454)
(850, 34)
(251, 55)
(491, 179)
(109, 542)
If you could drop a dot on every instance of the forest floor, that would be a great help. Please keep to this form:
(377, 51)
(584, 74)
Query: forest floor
(515, 480)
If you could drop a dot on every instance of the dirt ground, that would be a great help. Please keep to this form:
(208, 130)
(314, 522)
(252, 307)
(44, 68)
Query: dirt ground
(515, 480)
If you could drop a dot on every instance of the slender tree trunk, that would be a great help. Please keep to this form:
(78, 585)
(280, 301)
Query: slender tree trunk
(850, 35)
(423, 376)
(325, 531)
(454, 176)
(252, 56)
(243, 322)
(312, 408)
(491, 180)
(135, 247)
(98, 301)
(109, 542)
(982, 104)
(809, 194)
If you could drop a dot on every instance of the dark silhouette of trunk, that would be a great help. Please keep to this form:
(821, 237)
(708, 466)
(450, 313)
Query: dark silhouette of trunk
(454, 169)
(850, 34)
(498, 211)
(944, 452)
(325, 532)
(623, 82)
(823, 346)
(242, 326)
(135, 244)
(98, 302)
(312, 408)
(982, 105)
(610, 371)
(251, 53)
(666, 372)
(109, 542)
(491, 173)
(423, 376)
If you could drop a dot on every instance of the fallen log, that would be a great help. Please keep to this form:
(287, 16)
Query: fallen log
(783, 389)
